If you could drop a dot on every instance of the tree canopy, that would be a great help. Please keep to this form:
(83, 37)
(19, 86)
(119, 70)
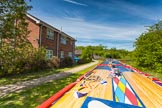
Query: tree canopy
(88, 52)
(148, 49)
(13, 34)
(16, 52)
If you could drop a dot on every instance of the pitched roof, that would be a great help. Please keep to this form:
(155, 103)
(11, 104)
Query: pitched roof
(38, 21)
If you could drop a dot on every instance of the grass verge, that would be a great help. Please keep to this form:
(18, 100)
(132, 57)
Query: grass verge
(146, 70)
(31, 98)
(12, 79)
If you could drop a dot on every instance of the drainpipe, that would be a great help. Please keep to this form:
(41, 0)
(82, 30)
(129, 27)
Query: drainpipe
(40, 36)
(59, 33)
(74, 48)
(57, 44)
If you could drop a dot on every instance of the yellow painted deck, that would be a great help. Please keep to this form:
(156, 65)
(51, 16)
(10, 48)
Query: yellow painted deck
(100, 91)
(149, 92)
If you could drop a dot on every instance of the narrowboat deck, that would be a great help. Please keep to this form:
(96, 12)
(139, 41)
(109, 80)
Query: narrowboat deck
(100, 89)
(94, 89)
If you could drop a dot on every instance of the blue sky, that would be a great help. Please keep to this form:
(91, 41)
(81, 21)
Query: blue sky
(112, 23)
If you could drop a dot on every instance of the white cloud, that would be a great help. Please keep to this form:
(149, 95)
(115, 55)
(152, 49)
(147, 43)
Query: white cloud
(74, 24)
(74, 2)
(78, 27)
(81, 28)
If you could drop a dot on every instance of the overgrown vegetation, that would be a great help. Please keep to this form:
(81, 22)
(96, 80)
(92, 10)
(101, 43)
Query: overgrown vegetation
(148, 49)
(54, 62)
(17, 55)
(66, 62)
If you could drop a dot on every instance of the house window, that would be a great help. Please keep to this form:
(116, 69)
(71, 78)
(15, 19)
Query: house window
(50, 34)
(70, 54)
(63, 40)
(49, 53)
(62, 54)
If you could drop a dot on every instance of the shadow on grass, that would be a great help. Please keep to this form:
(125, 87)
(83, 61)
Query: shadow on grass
(31, 98)
(12, 79)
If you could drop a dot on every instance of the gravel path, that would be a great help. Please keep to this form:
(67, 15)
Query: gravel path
(4, 90)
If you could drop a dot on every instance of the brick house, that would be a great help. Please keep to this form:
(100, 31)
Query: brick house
(56, 42)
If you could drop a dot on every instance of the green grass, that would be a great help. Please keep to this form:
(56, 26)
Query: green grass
(12, 79)
(31, 98)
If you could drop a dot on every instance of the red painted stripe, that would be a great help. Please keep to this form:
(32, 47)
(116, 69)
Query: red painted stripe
(80, 78)
(155, 79)
(127, 66)
(103, 65)
(147, 74)
(118, 64)
(56, 96)
(131, 97)
(116, 80)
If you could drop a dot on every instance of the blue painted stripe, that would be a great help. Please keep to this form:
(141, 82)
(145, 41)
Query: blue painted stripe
(103, 67)
(123, 81)
(113, 89)
(120, 95)
(108, 103)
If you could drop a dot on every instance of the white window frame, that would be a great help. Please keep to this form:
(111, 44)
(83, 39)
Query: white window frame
(63, 40)
(62, 54)
(50, 34)
(70, 54)
(49, 53)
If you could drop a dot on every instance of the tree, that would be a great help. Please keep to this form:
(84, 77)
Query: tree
(87, 54)
(148, 49)
(13, 34)
(14, 26)
(79, 47)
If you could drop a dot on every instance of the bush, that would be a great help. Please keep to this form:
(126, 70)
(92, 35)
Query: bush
(36, 59)
(22, 59)
(54, 62)
(80, 61)
(87, 59)
(67, 61)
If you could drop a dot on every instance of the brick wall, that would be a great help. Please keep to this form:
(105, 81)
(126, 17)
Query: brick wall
(34, 33)
(48, 43)
(68, 47)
